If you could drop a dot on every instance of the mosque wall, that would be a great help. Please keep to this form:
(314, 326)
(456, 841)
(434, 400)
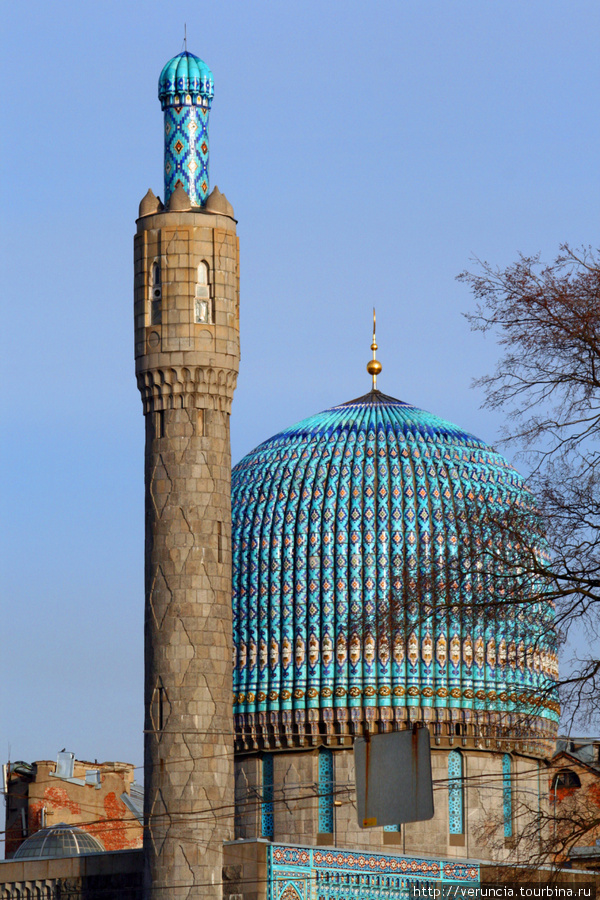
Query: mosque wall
(489, 812)
(247, 796)
(116, 874)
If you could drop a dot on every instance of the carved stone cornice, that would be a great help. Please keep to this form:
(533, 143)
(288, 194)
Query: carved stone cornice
(185, 387)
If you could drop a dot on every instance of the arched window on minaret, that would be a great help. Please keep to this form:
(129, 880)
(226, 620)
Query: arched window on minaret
(507, 798)
(202, 303)
(325, 791)
(456, 814)
(155, 294)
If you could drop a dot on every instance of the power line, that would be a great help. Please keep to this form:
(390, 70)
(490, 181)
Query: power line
(243, 806)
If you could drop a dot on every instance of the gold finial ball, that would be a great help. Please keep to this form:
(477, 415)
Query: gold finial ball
(374, 367)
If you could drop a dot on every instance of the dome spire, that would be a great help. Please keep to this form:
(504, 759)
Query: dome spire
(374, 366)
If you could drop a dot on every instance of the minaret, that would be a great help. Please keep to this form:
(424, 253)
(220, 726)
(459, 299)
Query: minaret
(187, 359)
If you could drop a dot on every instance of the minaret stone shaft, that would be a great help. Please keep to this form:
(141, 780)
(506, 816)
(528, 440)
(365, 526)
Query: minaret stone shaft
(187, 358)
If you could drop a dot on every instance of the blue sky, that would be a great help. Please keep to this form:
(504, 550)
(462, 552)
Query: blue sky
(369, 151)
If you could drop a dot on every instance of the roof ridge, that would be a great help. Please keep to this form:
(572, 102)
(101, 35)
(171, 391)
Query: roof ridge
(375, 398)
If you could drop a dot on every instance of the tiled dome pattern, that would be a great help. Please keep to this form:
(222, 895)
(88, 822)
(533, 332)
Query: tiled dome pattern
(185, 74)
(363, 592)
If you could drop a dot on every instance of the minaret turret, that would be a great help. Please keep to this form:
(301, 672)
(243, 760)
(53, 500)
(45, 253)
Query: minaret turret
(187, 359)
(185, 90)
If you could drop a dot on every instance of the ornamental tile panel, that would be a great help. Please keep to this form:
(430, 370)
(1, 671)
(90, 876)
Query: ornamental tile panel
(455, 793)
(304, 873)
(507, 801)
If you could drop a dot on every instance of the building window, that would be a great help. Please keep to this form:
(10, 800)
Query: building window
(162, 702)
(220, 542)
(507, 804)
(202, 304)
(159, 423)
(455, 792)
(325, 791)
(156, 295)
(566, 779)
(267, 824)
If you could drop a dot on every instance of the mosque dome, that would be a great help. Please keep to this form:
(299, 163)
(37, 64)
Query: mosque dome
(375, 583)
(185, 80)
(58, 841)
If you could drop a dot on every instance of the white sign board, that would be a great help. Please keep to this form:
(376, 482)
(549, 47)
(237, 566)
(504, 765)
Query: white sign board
(393, 778)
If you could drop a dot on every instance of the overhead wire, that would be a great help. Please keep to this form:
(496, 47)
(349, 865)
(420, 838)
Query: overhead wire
(243, 805)
(253, 800)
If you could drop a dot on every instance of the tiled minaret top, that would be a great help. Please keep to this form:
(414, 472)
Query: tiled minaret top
(185, 91)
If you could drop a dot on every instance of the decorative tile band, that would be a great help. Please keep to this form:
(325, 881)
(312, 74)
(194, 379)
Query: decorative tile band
(267, 820)
(301, 873)
(326, 787)
(507, 803)
(185, 100)
(455, 792)
(186, 152)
